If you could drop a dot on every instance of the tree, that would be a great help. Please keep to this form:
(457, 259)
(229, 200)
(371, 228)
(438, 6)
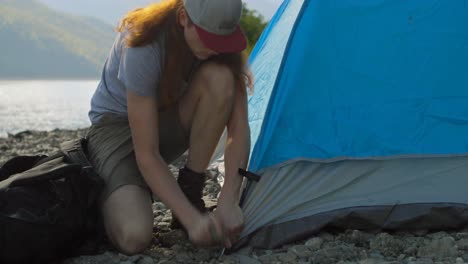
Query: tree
(253, 25)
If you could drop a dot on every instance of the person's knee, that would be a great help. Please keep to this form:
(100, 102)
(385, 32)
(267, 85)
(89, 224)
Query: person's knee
(133, 239)
(219, 82)
(128, 218)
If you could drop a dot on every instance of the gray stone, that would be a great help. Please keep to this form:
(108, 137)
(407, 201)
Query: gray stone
(183, 257)
(146, 260)
(159, 206)
(360, 238)
(105, 258)
(421, 232)
(229, 260)
(336, 253)
(245, 251)
(463, 244)
(349, 247)
(134, 258)
(418, 262)
(122, 256)
(167, 219)
(177, 248)
(112, 256)
(424, 261)
(203, 255)
(287, 257)
(461, 235)
(439, 248)
(326, 236)
(166, 252)
(387, 245)
(438, 235)
(301, 251)
(268, 258)
(163, 225)
(411, 250)
(371, 261)
(376, 255)
(243, 259)
(314, 243)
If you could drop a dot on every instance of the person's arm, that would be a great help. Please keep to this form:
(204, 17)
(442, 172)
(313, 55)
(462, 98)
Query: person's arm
(236, 156)
(143, 119)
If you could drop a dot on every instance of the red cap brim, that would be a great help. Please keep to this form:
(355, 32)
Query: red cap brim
(235, 42)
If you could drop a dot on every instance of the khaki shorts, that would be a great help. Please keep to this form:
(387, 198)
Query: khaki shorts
(111, 152)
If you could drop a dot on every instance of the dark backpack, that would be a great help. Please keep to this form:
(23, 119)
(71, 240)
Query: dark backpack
(48, 205)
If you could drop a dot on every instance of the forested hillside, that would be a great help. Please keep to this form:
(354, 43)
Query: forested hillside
(37, 42)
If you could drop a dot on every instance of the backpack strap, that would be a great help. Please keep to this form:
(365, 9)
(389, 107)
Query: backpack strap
(74, 151)
(18, 165)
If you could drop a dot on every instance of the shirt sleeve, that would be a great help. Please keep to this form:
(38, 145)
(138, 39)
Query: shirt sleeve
(140, 69)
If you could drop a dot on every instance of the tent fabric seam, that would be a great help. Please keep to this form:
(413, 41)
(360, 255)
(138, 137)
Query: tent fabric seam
(281, 68)
(349, 158)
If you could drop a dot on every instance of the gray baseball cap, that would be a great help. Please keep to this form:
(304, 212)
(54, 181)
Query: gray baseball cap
(217, 23)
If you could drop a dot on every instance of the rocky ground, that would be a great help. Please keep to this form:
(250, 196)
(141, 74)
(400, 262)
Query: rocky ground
(351, 246)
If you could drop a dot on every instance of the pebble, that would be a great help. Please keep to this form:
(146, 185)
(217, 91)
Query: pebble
(243, 259)
(370, 261)
(387, 245)
(146, 260)
(302, 251)
(463, 244)
(287, 257)
(167, 219)
(439, 248)
(461, 235)
(314, 243)
(268, 258)
(349, 247)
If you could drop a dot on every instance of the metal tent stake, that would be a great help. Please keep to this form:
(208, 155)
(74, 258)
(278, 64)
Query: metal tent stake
(251, 177)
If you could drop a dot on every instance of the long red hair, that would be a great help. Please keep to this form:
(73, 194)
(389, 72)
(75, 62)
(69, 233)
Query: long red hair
(144, 25)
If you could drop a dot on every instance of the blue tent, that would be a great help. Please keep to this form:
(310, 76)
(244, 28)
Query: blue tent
(359, 118)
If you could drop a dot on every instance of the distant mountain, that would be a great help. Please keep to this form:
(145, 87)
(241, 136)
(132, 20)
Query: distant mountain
(38, 42)
(109, 11)
(112, 11)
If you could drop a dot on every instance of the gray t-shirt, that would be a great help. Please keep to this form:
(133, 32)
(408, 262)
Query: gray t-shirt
(134, 68)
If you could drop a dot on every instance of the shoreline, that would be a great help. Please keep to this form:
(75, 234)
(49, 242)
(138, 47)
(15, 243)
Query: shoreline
(32, 142)
(6, 135)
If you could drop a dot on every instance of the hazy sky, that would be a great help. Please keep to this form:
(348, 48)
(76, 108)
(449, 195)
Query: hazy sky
(112, 10)
(266, 7)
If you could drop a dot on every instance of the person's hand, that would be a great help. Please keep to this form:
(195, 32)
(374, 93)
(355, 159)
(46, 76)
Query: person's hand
(232, 221)
(206, 231)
